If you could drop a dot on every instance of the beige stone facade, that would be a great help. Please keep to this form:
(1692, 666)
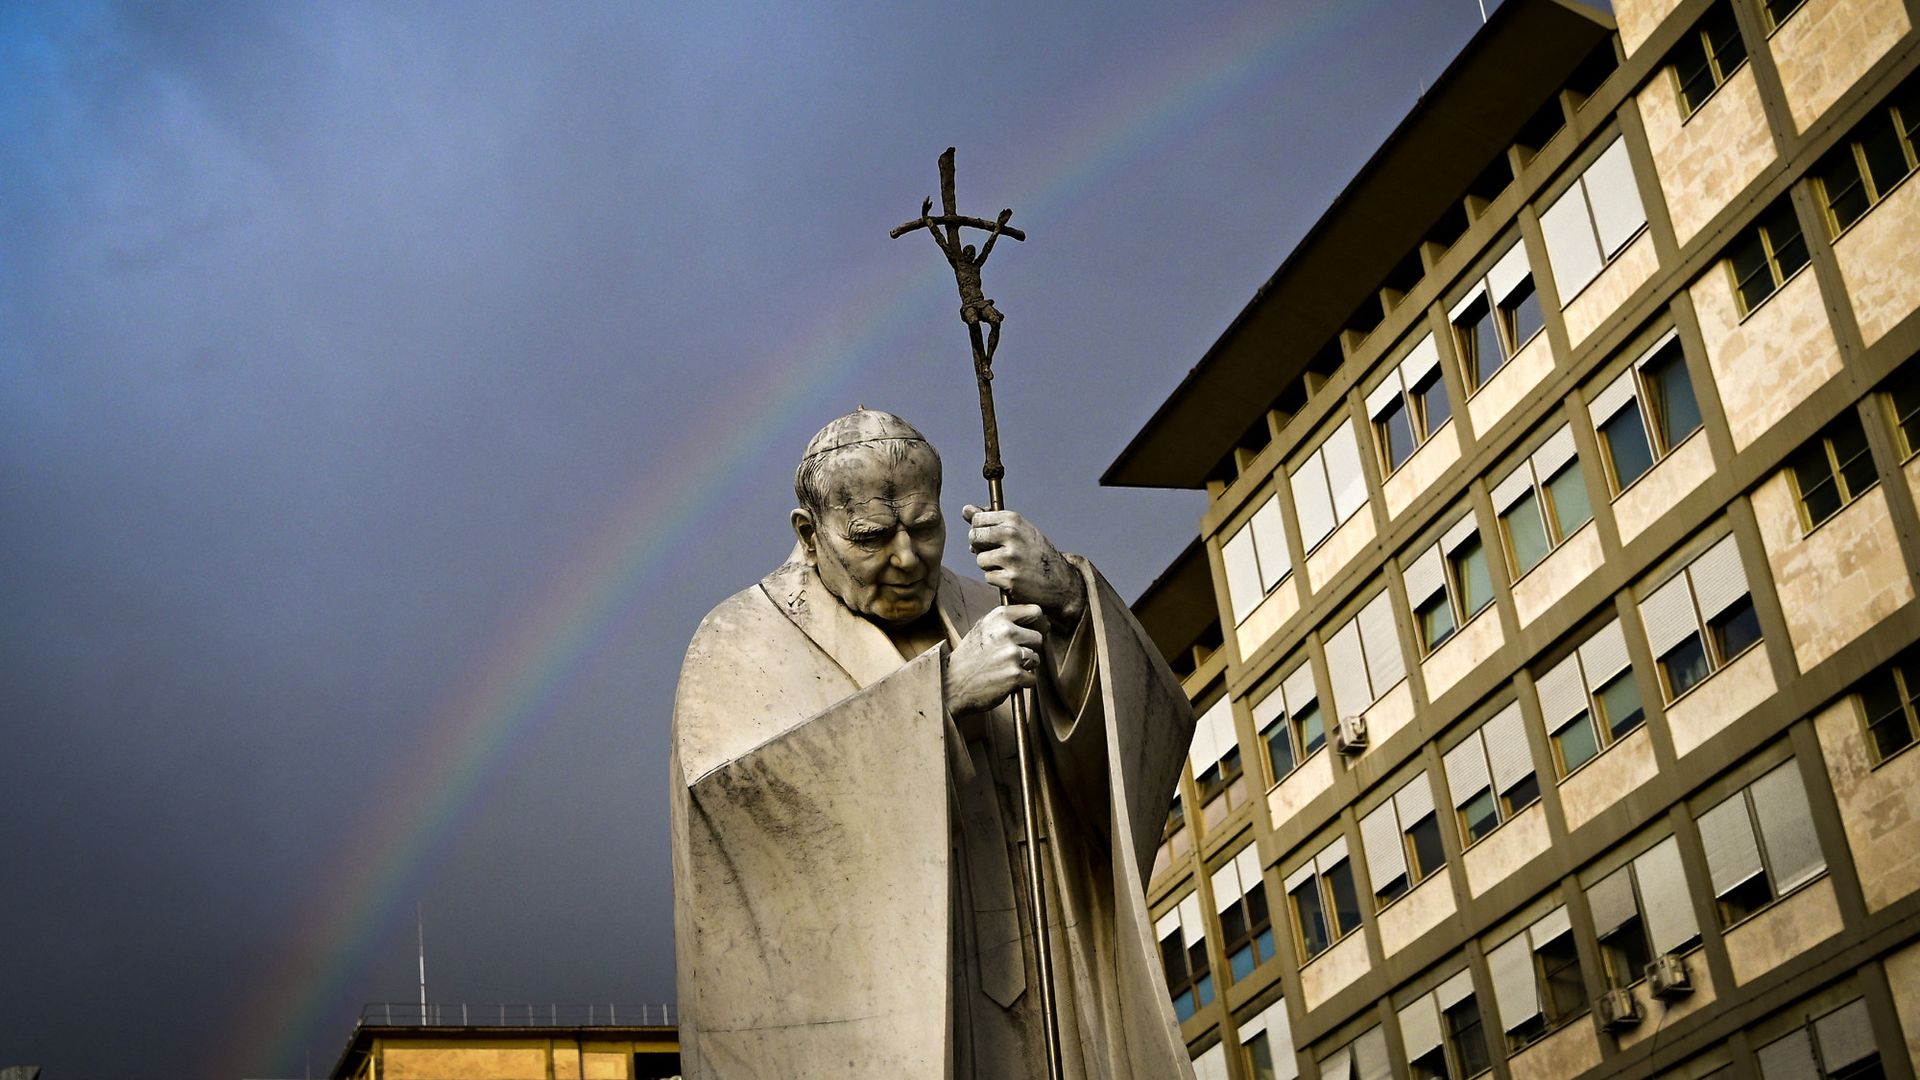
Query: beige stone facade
(1334, 970)
(1880, 263)
(1511, 384)
(1424, 468)
(1705, 159)
(1670, 480)
(1266, 620)
(1879, 805)
(1794, 924)
(1824, 48)
(1623, 277)
(1570, 1051)
(1339, 549)
(1411, 917)
(1640, 18)
(1770, 361)
(1506, 849)
(1567, 566)
(1725, 697)
(1607, 779)
(1837, 581)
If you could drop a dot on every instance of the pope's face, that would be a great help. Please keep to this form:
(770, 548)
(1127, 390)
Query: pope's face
(878, 541)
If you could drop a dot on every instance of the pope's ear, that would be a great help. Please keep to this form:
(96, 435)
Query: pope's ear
(805, 530)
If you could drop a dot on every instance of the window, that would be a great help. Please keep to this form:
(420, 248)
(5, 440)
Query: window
(1409, 406)
(1211, 1063)
(1592, 221)
(1766, 255)
(1875, 156)
(1496, 318)
(1183, 954)
(1443, 1034)
(1323, 900)
(1707, 56)
(1589, 700)
(1214, 755)
(1891, 698)
(1329, 486)
(1537, 982)
(1837, 1046)
(1642, 911)
(1364, 659)
(1700, 619)
(1646, 412)
(1903, 396)
(1541, 502)
(1490, 775)
(1448, 584)
(1175, 840)
(1266, 1042)
(1401, 838)
(1290, 726)
(1246, 930)
(1760, 844)
(1776, 12)
(1832, 469)
(1365, 1058)
(1256, 559)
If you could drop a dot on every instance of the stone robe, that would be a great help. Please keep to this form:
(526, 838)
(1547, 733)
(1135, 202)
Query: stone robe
(849, 881)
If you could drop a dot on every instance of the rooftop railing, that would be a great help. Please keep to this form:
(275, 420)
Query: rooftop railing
(525, 1014)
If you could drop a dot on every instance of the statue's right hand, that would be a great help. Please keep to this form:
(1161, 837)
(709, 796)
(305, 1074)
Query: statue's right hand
(999, 655)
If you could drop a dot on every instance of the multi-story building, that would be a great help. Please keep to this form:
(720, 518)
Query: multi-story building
(409, 1041)
(1552, 617)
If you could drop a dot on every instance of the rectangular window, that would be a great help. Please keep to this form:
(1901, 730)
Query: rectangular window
(1442, 1034)
(1903, 398)
(1832, 470)
(1183, 955)
(1496, 318)
(1646, 412)
(1537, 982)
(1541, 503)
(1256, 559)
(1328, 487)
(1365, 1058)
(1401, 839)
(1592, 221)
(1707, 56)
(1490, 774)
(1266, 1044)
(1289, 722)
(1246, 930)
(1641, 911)
(1776, 12)
(1890, 698)
(1409, 406)
(1218, 773)
(1364, 658)
(1467, 1046)
(1761, 844)
(1701, 618)
(1589, 700)
(1323, 900)
(1448, 584)
(1838, 1046)
(1766, 255)
(1875, 156)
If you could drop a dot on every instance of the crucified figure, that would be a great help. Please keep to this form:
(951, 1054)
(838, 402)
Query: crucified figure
(975, 307)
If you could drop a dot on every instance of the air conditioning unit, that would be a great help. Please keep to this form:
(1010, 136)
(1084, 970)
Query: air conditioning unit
(1667, 977)
(1350, 735)
(1619, 1010)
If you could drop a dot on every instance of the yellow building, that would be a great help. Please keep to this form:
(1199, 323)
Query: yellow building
(1551, 620)
(512, 1042)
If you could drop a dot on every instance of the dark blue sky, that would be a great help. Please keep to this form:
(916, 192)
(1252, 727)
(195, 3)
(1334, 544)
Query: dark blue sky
(386, 391)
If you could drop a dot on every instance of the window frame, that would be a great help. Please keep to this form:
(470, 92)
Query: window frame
(1255, 936)
(1604, 650)
(1436, 574)
(1534, 478)
(1764, 232)
(1851, 154)
(1195, 980)
(1764, 848)
(1404, 394)
(1603, 409)
(1413, 798)
(1256, 532)
(1499, 294)
(1292, 720)
(1906, 426)
(1699, 37)
(1903, 676)
(1774, 20)
(1721, 560)
(1459, 768)
(1319, 873)
(1822, 449)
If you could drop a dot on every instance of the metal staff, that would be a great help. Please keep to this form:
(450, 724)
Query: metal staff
(976, 309)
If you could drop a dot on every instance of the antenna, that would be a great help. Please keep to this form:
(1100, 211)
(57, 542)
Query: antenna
(420, 930)
(1483, 12)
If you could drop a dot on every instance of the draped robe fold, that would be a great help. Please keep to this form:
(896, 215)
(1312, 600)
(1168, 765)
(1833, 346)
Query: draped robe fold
(845, 859)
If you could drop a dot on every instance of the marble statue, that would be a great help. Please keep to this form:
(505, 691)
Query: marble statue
(848, 883)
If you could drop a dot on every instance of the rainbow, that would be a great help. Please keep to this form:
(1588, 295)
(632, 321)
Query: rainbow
(499, 707)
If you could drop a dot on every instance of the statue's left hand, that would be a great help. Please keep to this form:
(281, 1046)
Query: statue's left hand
(1018, 558)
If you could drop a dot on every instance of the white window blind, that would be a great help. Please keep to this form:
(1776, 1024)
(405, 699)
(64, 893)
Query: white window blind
(1426, 576)
(1592, 220)
(1509, 273)
(1273, 1023)
(1455, 990)
(1611, 902)
(1414, 801)
(1786, 827)
(1663, 889)
(1845, 1036)
(1347, 667)
(1420, 1026)
(1515, 993)
(1344, 478)
(1718, 579)
(1212, 736)
(1604, 655)
(1466, 766)
(1562, 695)
(1733, 855)
(1507, 752)
(1370, 1056)
(1668, 615)
(1378, 636)
(1256, 559)
(1232, 882)
(1298, 688)
(1312, 499)
(1380, 838)
(1211, 1064)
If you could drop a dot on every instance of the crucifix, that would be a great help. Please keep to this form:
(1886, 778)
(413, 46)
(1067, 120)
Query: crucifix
(976, 309)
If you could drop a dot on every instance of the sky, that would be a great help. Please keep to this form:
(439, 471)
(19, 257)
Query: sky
(386, 391)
